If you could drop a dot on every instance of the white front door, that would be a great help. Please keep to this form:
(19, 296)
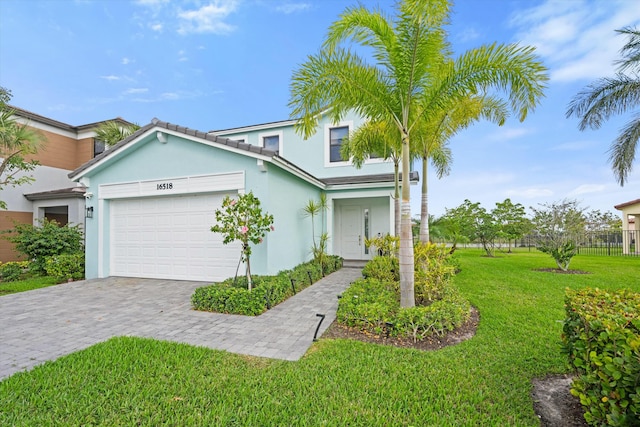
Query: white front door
(354, 229)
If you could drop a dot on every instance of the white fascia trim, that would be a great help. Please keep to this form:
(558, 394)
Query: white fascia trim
(152, 132)
(277, 133)
(363, 186)
(46, 127)
(251, 128)
(296, 171)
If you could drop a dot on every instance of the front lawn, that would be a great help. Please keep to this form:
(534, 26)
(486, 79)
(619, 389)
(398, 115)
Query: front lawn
(483, 381)
(26, 285)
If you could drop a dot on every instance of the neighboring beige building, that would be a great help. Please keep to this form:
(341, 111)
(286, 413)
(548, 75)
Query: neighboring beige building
(52, 195)
(630, 226)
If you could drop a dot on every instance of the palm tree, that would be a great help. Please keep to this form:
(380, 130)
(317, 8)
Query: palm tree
(408, 52)
(17, 142)
(434, 136)
(111, 132)
(615, 95)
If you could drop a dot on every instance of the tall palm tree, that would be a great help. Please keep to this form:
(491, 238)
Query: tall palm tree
(615, 95)
(435, 132)
(408, 51)
(112, 132)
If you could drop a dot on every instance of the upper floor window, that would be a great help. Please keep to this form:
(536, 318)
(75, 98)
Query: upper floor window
(98, 147)
(336, 137)
(271, 143)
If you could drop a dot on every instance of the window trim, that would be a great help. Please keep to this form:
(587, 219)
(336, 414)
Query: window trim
(278, 133)
(327, 143)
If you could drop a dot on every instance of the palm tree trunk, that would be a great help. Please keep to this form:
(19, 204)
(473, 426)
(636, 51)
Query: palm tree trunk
(424, 206)
(407, 295)
(396, 199)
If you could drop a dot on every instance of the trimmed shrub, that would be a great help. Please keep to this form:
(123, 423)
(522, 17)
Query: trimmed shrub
(13, 271)
(383, 268)
(601, 336)
(368, 304)
(438, 318)
(65, 266)
(232, 296)
(372, 304)
(45, 240)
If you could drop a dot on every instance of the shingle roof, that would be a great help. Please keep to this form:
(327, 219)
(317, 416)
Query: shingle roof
(624, 205)
(60, 125)
(208, 136)
(63, 193)
(367, 179)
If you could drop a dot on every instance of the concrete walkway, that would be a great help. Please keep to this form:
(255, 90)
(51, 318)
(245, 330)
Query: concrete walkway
(47, 323)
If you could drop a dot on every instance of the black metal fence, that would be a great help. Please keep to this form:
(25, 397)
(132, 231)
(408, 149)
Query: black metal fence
(608, 243)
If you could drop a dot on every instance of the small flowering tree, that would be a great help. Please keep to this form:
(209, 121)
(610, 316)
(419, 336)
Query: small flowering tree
(242, 219)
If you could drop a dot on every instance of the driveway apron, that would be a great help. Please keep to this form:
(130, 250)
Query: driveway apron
(47, 323)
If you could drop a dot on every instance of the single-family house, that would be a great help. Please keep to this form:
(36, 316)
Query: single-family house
(630, 226)
(151, 199)
(52, 194)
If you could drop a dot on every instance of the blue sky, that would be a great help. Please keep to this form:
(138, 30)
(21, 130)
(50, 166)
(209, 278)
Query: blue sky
(217, 64)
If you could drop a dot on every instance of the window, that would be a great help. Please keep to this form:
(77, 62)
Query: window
(336, 136)
(98, 147)
(271, 143)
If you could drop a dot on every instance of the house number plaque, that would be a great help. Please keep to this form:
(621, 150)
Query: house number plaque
(164, 186)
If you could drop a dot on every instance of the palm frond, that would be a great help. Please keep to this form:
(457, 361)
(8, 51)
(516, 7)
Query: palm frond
(622, 152)
(630, 51)
(603, 99)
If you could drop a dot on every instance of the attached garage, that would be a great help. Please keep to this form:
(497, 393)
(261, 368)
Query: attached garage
(169, 238)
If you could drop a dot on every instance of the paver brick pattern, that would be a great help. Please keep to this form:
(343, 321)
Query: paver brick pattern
(44, 324)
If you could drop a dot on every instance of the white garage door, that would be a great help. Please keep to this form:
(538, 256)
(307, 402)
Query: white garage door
(170, 238)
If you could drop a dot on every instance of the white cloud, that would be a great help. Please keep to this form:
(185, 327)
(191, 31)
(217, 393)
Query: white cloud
(586, 189)
(110, 78)
(136, 90)
(157, 27)
(506, 133)
(288, 8)
(208, 19)
(152, 3)
(577, 38)
(125, 61)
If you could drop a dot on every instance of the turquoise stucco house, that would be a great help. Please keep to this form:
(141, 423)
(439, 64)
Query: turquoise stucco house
(151, 198)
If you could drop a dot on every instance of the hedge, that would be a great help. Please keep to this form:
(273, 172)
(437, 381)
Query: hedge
(601, 336)
(232, 296)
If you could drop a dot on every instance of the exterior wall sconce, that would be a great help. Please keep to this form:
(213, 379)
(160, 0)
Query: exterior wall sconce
(89, 213)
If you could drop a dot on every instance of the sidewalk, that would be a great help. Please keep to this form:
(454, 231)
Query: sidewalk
(47, 323)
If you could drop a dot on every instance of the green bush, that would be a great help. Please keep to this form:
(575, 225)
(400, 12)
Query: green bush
(382, 268)
(232, 296)
(13, 271)
(65, 266)
(368, 304)
(373, 303)
(45, 240)
(438, 318)
(601, 336)
(433, 272)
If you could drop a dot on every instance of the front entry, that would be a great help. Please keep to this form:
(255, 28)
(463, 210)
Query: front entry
(354, 229)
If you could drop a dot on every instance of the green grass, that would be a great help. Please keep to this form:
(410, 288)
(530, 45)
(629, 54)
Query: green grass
(26, 285)
(484, 381)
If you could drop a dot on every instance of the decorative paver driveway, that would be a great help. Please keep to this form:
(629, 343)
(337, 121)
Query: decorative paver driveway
(47, 323)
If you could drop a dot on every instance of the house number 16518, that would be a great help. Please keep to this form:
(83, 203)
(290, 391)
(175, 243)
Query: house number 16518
(164, 186)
